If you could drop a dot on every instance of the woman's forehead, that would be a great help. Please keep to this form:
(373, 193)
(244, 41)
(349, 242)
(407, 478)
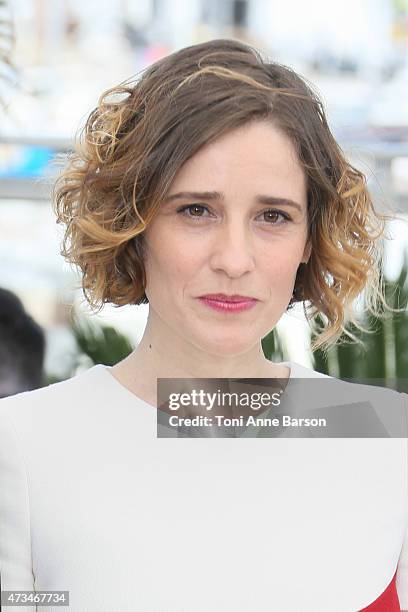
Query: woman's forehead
(255, 157)
(255, 143)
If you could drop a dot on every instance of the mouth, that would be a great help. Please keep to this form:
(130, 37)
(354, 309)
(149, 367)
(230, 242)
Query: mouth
(223, 297)
(230, 304)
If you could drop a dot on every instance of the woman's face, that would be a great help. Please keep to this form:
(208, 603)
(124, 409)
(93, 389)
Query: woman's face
(231, 240)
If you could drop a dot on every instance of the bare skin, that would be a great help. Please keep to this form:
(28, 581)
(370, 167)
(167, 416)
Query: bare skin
(238, 243)
(138, 374)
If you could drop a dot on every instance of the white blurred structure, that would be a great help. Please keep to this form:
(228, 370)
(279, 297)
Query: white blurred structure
(70, 51)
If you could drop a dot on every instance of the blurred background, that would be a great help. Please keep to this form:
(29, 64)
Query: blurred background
(57, 58)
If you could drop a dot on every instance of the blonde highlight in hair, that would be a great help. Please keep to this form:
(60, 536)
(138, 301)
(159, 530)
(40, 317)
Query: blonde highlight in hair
(142, 132)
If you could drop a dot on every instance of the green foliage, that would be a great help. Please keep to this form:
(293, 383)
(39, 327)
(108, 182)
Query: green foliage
(101, 343)
(400, 325)
(384, 354)
(272, 346)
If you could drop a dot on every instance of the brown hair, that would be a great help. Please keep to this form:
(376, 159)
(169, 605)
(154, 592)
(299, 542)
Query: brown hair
(143, 131)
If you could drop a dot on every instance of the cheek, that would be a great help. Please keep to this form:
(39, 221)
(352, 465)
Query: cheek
(174, 262)
(281, 267)
(279, 277)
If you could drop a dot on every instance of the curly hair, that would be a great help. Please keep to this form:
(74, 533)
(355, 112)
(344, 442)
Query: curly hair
(142, 132)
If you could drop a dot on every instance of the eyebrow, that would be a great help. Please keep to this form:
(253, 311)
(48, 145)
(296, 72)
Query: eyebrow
(216, 195)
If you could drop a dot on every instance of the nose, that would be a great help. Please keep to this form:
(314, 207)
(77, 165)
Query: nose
(233, 250)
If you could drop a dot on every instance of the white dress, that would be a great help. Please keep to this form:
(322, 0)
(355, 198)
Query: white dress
(94, 503)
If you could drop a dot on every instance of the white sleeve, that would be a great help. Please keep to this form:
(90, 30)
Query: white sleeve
(16, 571)
(402, 570)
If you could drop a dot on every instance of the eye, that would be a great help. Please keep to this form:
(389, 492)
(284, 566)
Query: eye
(194, 208)
(272, 212)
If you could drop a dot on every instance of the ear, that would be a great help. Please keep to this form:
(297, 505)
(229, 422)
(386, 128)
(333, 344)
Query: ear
(307, 252)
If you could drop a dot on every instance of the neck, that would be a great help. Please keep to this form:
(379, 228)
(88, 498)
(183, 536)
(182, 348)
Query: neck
(163, 354)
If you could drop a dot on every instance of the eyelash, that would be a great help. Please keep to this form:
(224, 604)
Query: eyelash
(188, 206)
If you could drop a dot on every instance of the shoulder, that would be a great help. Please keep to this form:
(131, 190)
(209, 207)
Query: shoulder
(31, 410)
(346, 385)
(301, 371)
(390, 405)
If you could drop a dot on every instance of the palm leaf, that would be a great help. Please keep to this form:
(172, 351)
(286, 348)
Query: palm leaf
(272, 346)
(400, 323)
(102, 343)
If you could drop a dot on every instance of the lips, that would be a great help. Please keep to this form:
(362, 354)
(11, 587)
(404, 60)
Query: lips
(222, 297)
(228, 304)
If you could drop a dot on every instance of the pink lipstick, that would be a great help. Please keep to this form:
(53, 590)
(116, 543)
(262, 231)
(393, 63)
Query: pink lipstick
(228, 303)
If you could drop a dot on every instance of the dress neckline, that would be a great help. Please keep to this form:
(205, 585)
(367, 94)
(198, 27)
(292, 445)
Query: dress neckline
(295, 370)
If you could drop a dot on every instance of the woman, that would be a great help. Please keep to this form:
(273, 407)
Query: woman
(214, 178)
